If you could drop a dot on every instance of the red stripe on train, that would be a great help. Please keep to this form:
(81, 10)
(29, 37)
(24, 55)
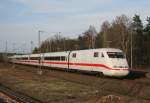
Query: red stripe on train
(79, 64)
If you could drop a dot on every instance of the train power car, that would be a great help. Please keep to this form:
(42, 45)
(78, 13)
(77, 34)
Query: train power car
(109, 61)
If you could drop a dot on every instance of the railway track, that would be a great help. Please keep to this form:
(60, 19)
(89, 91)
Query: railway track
(17, 97)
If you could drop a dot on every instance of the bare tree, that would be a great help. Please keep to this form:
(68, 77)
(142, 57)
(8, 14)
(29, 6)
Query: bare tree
(105, 30)
(122, 26)
(117, 33)
(90, 36)
(92, 31)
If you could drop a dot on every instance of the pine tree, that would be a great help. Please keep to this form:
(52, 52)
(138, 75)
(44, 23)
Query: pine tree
(137, 41)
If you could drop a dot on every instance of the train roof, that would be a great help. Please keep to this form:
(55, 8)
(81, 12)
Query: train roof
(66, 52)
(102, 49)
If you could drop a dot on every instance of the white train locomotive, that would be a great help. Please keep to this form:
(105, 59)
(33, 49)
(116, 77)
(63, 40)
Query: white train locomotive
(109, 61)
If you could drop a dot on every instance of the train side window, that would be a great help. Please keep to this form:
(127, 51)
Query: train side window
(24, 58)
(63, 58)
(34, 58)
(74, 55)
(102, 55)
(95, 54)
(58, 58)
(47, 58)
(17, 58)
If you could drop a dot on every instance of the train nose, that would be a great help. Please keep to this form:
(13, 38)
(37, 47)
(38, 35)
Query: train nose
(120, 72)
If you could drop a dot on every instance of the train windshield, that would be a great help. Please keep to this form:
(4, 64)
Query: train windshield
(116, 55)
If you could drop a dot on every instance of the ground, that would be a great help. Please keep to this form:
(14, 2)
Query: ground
(50, 89)
(45, 89)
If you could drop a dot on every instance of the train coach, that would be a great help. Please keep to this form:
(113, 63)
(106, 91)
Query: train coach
(109, 61)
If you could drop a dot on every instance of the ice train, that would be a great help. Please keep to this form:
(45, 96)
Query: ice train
(109, 61)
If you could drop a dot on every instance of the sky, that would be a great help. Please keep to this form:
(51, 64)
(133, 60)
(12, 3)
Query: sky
(20, 20)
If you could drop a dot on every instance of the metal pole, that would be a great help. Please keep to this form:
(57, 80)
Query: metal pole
(31, 46)
(40, 71)
(5, 56)
(131, 49)
(23, 48)
(50, 46)
(92, 41)
(6, 48)
(14, 48)
(39, 39)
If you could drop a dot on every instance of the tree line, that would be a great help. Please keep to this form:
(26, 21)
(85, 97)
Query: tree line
(123, 33)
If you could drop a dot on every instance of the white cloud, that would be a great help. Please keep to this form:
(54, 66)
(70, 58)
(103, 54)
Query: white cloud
(41, 6)
(62, 6)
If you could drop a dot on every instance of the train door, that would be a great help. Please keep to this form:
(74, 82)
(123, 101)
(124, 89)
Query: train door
(102, 58)
(95, 60)
(88, 60)
(83, 60)
(42, 59)
(98, 60)
(73, 60)
(68, 59)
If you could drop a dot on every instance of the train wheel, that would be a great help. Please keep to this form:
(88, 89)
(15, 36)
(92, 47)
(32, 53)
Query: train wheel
(99, 74)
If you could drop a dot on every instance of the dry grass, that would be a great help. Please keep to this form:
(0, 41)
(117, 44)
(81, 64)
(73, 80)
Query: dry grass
(50, 89)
